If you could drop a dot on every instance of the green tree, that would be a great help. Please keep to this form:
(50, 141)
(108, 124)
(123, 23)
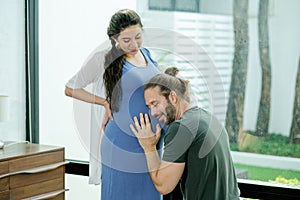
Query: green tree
(295, 128)
(263, 117)
(235, 107)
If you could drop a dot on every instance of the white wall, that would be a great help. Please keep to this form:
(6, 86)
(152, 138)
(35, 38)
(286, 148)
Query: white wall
(12, 67)
(284, 47)
(69, 31)
(79, 189)
(285, 51)
(285, 37)
(201, 46)
(223, 7)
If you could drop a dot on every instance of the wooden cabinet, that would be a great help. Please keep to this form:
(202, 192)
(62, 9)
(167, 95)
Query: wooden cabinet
(32, 171)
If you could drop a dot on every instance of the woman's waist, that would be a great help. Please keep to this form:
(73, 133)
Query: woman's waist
(125, 139)
(122, 138)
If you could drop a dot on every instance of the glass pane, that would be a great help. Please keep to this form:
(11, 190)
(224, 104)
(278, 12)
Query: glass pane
(213, 30)
(66, 38)
(187, 5)
(12, 71)
(160, 5)
(202, 45)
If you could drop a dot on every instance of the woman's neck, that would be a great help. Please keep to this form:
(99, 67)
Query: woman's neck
(137, 59)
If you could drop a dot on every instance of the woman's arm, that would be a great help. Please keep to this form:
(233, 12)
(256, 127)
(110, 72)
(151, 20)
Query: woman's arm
(85, 96)
(91, 72)
(88, 97)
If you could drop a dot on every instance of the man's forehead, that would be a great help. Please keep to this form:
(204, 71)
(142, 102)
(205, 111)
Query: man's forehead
(151, 94)
(153, 91)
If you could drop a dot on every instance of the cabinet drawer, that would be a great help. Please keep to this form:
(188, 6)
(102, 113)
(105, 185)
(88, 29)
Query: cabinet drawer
(58, 197)
(4, 167)
(28, 179)
(4, 181)
(4, 195)
(55, 195)
(4, 184)
(37, 189)
(36, 161)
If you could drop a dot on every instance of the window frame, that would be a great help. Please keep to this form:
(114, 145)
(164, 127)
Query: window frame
(32, 70)
(173, 7)
(248, 188)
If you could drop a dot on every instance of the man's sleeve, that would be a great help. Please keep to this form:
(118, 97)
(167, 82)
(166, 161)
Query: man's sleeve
(177, 142)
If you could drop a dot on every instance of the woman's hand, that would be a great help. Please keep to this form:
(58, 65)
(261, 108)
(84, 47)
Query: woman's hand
(107, 116)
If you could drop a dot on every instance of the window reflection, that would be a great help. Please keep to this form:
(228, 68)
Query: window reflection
(209, 25)
(213, 29)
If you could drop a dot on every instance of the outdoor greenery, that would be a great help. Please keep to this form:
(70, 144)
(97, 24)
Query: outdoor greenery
(274, 144)
(271, 175)
(293, 181)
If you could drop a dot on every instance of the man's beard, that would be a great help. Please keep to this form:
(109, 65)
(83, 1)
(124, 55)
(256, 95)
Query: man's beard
(171, 113)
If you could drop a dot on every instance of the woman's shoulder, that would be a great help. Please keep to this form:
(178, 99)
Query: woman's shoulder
(102, 49)
(145, 51)
(148, 55)
(98, 53)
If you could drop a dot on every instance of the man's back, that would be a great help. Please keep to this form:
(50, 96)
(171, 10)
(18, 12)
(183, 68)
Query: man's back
(209, 172)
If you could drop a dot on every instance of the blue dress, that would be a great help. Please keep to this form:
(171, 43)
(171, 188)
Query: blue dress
(124, 169)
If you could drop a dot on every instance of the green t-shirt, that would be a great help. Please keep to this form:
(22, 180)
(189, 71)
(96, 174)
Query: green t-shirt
(201, 142)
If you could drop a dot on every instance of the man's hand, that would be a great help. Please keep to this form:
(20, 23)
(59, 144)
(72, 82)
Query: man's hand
(143, 131)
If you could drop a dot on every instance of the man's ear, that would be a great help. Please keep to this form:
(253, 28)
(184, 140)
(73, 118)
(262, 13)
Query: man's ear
(173, 97)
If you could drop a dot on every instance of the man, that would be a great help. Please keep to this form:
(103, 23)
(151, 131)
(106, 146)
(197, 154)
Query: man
(196, 149)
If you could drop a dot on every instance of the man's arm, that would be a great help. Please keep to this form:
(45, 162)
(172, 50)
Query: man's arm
(165, 175)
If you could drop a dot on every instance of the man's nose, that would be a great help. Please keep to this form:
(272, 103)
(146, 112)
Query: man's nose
(153, 112)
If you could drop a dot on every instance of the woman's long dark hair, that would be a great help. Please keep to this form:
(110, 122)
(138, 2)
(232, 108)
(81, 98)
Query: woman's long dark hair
(115, 58)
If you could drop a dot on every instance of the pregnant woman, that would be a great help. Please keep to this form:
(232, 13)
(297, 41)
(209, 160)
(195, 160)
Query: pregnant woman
(118, 74)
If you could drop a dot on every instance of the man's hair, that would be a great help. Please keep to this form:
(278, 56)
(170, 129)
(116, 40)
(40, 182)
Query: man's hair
(168, 82)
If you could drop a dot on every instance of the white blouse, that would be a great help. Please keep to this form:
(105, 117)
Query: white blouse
(92, 73)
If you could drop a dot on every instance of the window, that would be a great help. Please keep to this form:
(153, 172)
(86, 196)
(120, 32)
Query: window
(13, 69)
(66, 40)
(252, 153)
(175, 5)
